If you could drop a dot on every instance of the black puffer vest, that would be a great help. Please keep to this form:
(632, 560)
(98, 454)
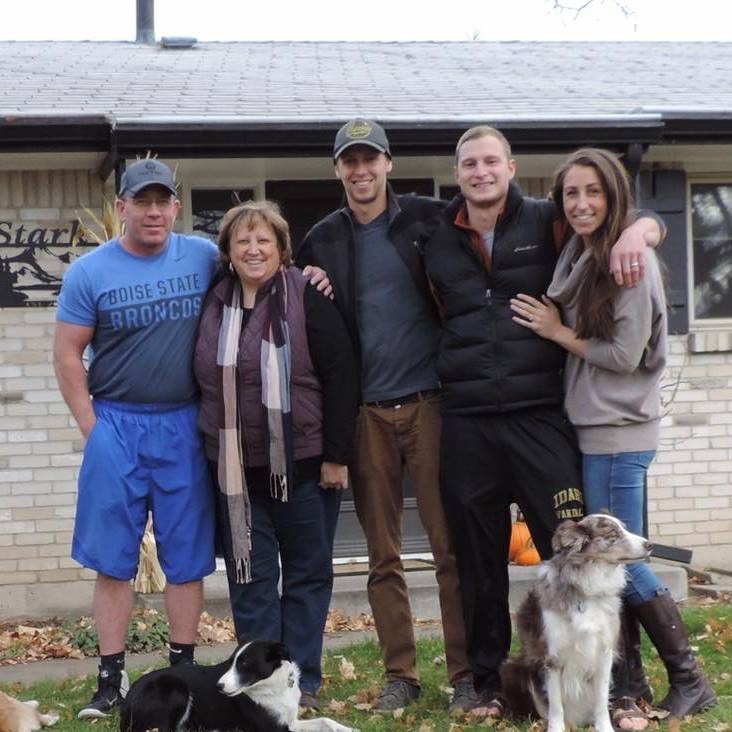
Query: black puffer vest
(487, 363)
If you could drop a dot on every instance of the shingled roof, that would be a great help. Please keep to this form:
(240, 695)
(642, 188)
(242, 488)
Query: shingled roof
(415, 85)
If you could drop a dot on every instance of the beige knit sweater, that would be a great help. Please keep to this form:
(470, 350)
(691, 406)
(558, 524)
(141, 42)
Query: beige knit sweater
(613, 395)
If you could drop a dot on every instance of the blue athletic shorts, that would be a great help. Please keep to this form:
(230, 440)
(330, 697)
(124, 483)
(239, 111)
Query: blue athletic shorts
(142, 457)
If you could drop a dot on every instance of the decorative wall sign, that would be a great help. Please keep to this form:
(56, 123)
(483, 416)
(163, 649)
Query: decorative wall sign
(33, 260)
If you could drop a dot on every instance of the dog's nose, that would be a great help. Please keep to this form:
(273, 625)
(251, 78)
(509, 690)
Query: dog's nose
(220, 685)
(648, 546)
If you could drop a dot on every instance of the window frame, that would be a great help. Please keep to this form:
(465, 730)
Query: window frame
(697, 323)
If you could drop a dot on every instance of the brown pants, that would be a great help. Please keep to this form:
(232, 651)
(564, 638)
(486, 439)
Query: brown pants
(388, 441)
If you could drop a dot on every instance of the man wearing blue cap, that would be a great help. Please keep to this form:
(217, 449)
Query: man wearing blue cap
(135, 302)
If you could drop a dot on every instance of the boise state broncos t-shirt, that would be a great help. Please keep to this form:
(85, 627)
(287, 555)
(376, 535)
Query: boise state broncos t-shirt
(145, 313)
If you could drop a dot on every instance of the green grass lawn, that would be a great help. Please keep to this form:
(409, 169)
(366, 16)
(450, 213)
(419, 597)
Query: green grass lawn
(353, 678)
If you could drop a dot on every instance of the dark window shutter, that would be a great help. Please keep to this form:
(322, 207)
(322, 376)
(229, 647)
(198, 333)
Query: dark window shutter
(664, 191)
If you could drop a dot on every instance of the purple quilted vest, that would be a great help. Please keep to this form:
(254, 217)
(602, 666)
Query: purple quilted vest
(305, 391)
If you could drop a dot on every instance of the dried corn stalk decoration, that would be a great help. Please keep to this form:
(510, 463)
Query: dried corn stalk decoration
(150, 577)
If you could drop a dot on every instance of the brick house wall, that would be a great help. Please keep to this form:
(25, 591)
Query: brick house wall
(40, 445)
(690, 501)
(690, 498)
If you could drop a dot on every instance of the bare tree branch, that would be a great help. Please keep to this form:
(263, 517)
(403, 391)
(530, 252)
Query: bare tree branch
(577, 7)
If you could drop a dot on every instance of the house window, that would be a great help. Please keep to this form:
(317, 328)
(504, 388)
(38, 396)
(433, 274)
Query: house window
(208, 207)
(711, 227)
(305, 202)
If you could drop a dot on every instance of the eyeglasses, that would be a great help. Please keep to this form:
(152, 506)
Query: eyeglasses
(144, 202)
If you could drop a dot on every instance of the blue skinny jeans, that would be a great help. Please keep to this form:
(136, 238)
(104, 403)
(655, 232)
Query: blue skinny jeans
(616, 483)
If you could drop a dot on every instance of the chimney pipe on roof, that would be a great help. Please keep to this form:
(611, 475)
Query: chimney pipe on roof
(145, 21)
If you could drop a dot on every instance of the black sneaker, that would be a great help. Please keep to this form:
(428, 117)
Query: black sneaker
(396, 694)
(111, 690)
(464, 697)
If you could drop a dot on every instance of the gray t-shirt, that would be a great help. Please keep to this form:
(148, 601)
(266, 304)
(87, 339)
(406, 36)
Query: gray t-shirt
(398, 329)
(488, 239)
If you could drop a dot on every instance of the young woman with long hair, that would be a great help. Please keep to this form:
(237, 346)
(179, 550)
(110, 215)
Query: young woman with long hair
(616, 339)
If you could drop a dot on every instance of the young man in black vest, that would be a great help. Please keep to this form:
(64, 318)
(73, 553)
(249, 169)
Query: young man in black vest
(370, 249)
(504, 436)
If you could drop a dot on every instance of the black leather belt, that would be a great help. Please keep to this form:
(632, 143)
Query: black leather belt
(417, 396)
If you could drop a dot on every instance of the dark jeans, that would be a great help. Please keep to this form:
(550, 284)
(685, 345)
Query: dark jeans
(298, 534)
(488, 462)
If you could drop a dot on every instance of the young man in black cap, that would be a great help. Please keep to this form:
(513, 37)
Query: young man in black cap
(370, 250)
(135, 301)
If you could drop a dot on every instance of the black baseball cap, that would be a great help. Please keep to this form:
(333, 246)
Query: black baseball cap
(361, 132)
(144, 173)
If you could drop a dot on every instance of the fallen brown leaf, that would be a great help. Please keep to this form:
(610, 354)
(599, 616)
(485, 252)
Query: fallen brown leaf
(338, 621)
(337, 706)
(347, 669)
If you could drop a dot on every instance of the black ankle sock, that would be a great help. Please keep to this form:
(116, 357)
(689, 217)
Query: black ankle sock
(180, 652)
(113, 663)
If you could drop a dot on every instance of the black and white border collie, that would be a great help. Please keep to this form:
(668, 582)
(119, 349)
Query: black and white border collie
(256, 690)
(569, 625)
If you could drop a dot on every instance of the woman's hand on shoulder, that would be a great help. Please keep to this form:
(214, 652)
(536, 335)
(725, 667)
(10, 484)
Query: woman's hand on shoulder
(333, 476)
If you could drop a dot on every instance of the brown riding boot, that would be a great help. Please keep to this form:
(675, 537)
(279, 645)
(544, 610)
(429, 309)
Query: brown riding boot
(689, 690)
(638, 685)
(629, 683)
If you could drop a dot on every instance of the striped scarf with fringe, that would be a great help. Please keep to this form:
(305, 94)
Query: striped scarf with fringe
(235, 516)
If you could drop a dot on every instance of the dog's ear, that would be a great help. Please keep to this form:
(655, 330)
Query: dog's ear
(569, 536)
(279, 652)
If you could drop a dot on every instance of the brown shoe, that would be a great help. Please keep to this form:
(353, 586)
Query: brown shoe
(627, 715)
(309, 701)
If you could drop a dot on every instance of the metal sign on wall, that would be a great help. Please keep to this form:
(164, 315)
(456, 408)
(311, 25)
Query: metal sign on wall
(33, 259)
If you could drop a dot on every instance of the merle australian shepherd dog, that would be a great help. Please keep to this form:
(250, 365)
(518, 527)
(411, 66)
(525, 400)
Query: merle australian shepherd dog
(255, 690)
(569, 625)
